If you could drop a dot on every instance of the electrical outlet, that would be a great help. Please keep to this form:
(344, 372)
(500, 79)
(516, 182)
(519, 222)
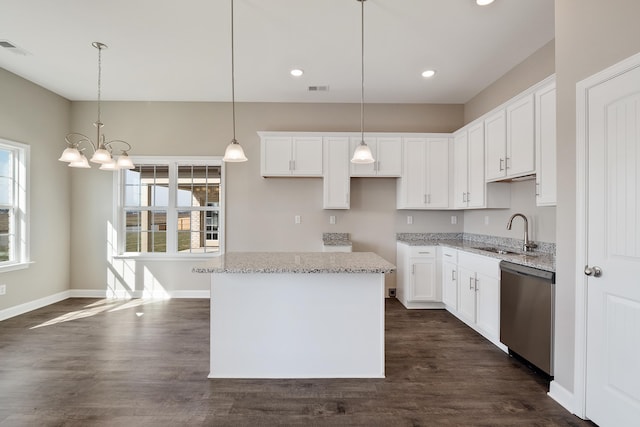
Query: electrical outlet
(297, 219)
(332, 219)
(3, 289)
(409, 219)
(454, 219)
(486, 220)
(392, 292)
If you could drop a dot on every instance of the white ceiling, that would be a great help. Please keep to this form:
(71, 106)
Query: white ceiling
(169, 50)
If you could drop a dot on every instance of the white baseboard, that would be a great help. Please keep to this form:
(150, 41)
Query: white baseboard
(561, 395)
(92, 293)
(33, 305)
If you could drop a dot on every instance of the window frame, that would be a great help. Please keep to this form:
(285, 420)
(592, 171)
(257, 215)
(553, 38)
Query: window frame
(172, 210)
(20, 257)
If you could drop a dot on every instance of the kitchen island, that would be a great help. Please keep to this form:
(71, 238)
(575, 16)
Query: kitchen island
(298, 315)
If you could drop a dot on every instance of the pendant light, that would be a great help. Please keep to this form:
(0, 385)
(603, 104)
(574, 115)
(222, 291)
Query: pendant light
(101, 148)
(362, 153)
(234, 151)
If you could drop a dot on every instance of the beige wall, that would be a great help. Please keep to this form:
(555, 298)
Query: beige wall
(259, 212)
(535, 68)
(39, 118)
(591, 35)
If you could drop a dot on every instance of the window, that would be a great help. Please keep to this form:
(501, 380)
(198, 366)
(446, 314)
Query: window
(14, 251)
(171, 206)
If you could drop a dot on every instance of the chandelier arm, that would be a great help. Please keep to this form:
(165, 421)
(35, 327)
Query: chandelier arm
(74, 140)
(117, 141)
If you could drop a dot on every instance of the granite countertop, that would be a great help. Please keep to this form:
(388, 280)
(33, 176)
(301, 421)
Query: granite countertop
(336, 239)
(301, 262)
(541, 260)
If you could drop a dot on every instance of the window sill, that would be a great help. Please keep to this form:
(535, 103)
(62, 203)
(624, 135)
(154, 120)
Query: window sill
(15, 266)
(168, 257)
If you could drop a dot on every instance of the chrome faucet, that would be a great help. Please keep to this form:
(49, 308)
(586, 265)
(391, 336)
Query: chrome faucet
(527, 245)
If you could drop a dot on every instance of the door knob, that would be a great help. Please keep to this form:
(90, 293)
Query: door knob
(593, 271)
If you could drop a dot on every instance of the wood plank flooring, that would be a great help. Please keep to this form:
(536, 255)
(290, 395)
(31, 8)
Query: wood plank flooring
(86, 362)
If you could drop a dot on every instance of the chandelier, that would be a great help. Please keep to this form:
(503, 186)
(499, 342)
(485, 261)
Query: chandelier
(102, 149)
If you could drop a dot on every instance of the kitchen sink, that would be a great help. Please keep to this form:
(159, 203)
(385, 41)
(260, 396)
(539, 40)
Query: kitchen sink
(498, 251)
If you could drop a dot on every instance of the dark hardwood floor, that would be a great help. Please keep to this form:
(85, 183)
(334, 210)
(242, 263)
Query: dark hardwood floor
(105, 363)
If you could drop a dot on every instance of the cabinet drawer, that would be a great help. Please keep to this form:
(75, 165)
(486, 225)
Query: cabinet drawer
(449, 255)
(422, 251)
(480, 264)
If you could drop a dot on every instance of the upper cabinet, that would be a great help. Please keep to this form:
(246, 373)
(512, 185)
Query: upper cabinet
(387, 153)
(291, 155)
(336, 182)
(545, 99)
(510, 141)
(425, 179)
(470, 189)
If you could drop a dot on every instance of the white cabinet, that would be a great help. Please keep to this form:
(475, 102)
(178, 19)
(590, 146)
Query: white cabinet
(387, 153)
(336, 180)
(479, 294)
(418, 285)
(510, 142)
(291, 156)
(470, 190)
(449, 259)
(545, 100)
(425, 180)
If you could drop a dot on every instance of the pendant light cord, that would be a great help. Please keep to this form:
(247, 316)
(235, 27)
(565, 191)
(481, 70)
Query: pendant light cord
(233, 91)
(99, 81)
(362, 70)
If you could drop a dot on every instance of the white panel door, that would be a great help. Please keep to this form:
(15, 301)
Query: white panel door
(546, 146)
(423, 279)
(488, 304)
(495, 137)
(520, 138)
(477, 186)
(307, 156)
(389, 160)
(276, 156)
(467, 294)
(336, 181)
(413, 191)
(460, 170)
(437, 172)
(613, 239)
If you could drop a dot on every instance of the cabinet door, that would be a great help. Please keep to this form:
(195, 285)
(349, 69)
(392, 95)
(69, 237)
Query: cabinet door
(466, 294)
(495, 138)
(476, 182)
(336, 180)
(488, 305)
(307, 156)
(389, 160)
(423, 279)
(546, 146)
(411, 187)
(368, 169)
(460, 170)
(437, 173)
(276, 156)
(450, 285)
(520, 158)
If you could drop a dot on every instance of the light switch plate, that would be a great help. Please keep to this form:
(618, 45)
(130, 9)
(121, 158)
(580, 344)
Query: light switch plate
(297, 219)
(332, 219)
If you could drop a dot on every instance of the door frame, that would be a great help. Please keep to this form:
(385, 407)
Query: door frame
(582, 199)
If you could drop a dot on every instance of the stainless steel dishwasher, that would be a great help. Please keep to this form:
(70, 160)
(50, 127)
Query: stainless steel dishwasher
(526, 313)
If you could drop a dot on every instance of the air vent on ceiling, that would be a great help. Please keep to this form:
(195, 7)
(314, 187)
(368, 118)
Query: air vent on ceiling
(13, 48)
(318, 88)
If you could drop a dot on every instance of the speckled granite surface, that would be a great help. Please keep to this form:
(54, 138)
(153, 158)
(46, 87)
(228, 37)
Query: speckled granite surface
(543, 257)
(336, 239)
(301, 262)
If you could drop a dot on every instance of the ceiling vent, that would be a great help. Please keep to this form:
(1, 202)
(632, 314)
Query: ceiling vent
(318, 88)
(6, 44)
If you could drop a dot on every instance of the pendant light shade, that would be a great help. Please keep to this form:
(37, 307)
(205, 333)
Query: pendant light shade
(234, 152)
(125, 162)
(81, 163)
(362, 153)
(70, 154)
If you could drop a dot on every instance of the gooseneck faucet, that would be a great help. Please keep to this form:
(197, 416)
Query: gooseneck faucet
(527, 245)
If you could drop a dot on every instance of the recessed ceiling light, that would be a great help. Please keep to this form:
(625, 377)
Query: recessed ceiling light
(296, 72)
(428, 73)
(484, 2)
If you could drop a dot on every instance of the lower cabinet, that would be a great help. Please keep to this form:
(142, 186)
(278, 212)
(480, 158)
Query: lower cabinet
(479, 295)
(449, 258)
(418, 284)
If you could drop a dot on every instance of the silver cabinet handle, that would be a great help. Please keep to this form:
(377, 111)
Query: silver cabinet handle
(471, 283)
(468, 197)
(594, 271)
(476, 284)
(537, 188)
(507, 162)
(453, 275)
(424, 199)
(501, 162)
(464, 197)
(424, 253)
(413, 269)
